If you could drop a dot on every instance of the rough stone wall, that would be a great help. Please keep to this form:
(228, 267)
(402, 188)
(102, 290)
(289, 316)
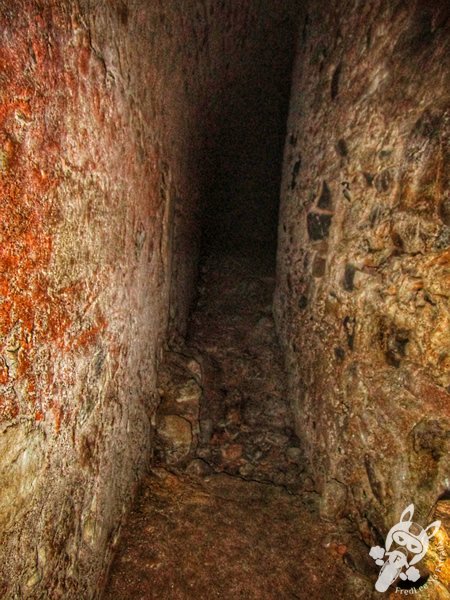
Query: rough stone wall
(362, 301)
(87, 182)
(102, 161)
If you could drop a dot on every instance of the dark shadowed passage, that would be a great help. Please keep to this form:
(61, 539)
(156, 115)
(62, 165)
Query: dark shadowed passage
(246, 135)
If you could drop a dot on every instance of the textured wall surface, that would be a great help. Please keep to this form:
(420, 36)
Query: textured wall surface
(103, 159)
(362, 303)
(88, 180)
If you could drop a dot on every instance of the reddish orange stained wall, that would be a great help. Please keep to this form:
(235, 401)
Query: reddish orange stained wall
(105, 111)
(40, 86)
(84, 275)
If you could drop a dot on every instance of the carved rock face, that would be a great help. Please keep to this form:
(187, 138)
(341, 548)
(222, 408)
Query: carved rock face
(367, 337)
(114, 119)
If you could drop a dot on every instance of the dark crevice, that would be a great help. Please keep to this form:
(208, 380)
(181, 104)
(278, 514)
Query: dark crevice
(335, 81)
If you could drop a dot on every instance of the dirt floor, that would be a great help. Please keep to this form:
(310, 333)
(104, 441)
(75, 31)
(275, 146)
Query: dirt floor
(228, 509)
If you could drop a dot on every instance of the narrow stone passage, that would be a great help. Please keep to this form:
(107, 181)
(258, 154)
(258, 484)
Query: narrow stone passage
(228, 511)
(246, 427)
(180, 417)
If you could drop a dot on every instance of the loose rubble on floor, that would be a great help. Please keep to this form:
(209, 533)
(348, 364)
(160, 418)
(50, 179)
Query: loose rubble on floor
(228, 510)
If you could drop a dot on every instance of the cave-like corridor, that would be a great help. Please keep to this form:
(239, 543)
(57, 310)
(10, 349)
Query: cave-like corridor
(224, 299)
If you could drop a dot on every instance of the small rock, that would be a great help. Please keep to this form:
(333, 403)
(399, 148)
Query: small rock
(318, 225)
(190, 392)
(277, 439)
(195, 368)
(231, 452)
(34, 579)
(199, 467)
(294, 454)
(175, 437)
(246, 470)
(308, 485)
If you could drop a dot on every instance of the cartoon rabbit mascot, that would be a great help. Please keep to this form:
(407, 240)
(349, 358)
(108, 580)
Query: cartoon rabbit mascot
(409, 543)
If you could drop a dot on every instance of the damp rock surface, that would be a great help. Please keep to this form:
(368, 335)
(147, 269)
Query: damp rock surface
(362, 297)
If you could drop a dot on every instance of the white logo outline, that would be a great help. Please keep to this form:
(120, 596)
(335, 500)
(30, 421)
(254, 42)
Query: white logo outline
(409, 543)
